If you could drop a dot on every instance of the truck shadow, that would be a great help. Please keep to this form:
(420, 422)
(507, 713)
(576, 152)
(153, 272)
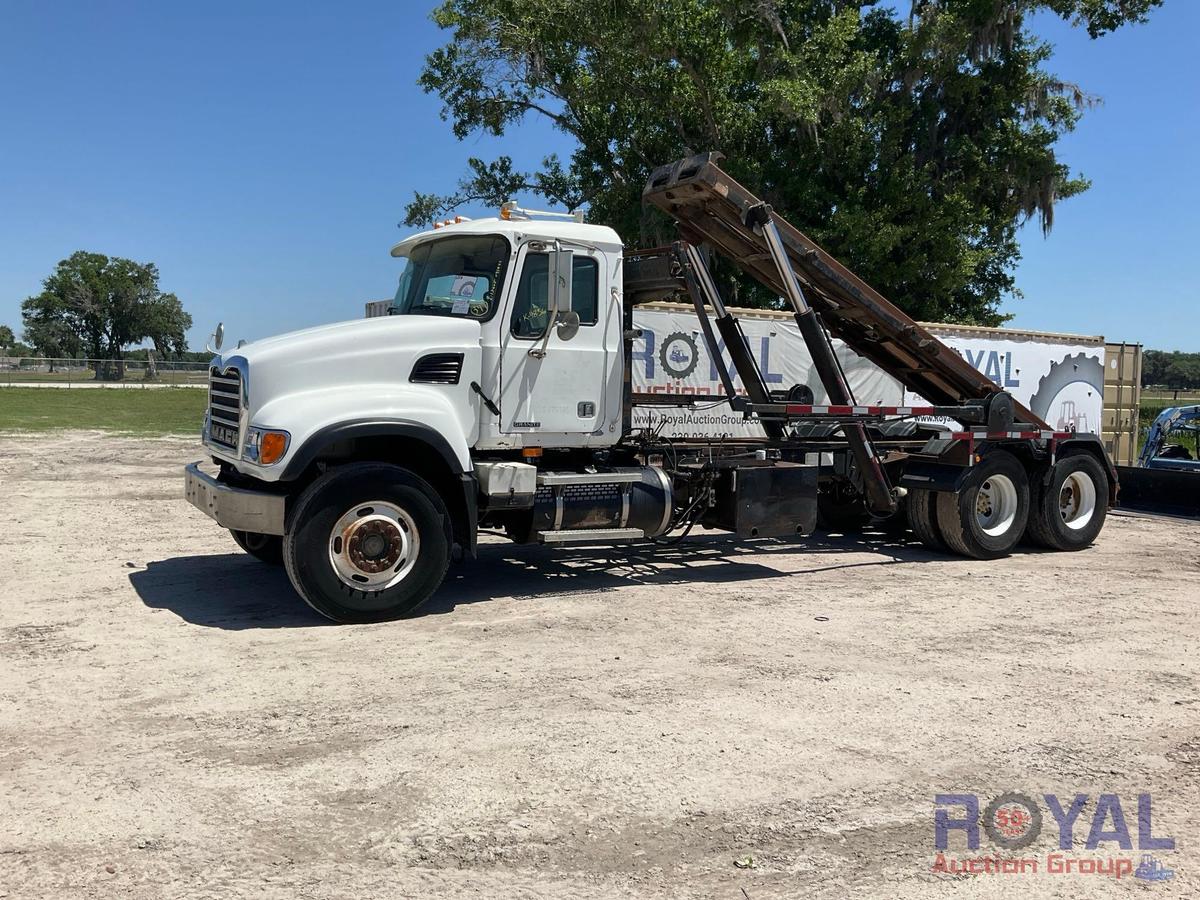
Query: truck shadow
(229, 590)
(234, 591)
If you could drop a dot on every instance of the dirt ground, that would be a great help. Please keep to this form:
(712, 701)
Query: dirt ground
(714, 720)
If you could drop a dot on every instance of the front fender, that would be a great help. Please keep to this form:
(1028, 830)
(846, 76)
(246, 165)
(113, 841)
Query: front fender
(315, 419)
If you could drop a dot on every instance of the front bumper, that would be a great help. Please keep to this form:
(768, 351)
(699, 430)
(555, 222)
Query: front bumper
(235, 508)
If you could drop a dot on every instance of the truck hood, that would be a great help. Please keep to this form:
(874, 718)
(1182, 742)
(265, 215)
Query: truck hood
(347, 354)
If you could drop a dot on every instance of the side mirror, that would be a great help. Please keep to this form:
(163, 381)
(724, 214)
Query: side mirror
(216, 339)
(563, 319)
(568, 325)
(560, 278)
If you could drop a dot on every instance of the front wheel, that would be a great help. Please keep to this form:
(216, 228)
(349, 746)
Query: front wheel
(367, 542)
(986, 517)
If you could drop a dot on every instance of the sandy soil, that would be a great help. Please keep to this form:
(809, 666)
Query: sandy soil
(715, 720)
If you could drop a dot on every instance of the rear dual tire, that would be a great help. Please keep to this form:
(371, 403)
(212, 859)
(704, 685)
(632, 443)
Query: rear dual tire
(986, 517)
(922, 518)
(1069, 504)
(997, 506)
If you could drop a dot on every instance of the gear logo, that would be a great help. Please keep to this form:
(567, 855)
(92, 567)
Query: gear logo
(679, 355)
(1066, 388)
(1012, 821)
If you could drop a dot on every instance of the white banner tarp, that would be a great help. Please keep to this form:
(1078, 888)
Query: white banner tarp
(1060, 381)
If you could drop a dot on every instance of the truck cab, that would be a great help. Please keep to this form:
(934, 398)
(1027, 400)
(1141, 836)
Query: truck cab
(551, 361)
(504, 340)
(476, 348)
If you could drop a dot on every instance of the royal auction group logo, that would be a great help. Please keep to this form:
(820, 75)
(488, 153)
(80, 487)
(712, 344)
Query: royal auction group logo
(679, 355)
(1014, 821)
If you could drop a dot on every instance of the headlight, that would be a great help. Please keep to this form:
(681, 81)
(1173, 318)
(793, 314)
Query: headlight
(265, 446)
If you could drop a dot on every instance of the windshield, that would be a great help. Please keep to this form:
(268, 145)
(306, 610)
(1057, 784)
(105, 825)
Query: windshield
(453, 276)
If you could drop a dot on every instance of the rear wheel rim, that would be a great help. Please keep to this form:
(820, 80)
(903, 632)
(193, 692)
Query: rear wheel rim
(1077, 500)
(996, 505)
(374, 546)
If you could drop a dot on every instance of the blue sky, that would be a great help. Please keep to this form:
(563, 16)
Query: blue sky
(261, 154)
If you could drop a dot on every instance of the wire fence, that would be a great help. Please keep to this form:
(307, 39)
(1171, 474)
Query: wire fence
(41, 371)
(1171, 396)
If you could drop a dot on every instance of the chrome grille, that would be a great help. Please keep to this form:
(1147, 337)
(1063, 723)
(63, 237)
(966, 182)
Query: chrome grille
(224, 406)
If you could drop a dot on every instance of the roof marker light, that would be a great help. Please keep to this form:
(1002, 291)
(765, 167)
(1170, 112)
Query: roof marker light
(509, 211)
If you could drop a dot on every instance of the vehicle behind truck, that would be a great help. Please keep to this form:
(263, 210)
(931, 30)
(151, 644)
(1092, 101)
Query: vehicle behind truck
(364, 456)
(1166, 477)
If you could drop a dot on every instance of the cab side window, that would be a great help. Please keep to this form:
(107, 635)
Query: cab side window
(530, 313)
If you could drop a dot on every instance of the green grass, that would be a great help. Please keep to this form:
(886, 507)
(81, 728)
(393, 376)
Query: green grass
(132, 410)
(1163, 399)
(1151, 408)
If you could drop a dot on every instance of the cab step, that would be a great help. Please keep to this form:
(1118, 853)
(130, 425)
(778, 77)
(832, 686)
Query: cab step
(590, 535)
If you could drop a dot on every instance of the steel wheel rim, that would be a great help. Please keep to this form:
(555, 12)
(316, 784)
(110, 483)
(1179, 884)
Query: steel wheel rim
(1077, 500)
(996, 505)
(374, 546)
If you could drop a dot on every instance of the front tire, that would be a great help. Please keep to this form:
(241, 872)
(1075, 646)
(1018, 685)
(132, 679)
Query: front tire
(1068, 512)
(367, 542)
(986, 517)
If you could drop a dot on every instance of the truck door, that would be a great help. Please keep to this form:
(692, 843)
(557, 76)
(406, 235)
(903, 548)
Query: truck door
(560, 392)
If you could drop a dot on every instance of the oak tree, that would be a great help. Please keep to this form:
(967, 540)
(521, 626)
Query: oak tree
(912, 144)
(101, 305)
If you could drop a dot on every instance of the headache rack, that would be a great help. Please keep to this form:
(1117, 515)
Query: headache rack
(827, 300)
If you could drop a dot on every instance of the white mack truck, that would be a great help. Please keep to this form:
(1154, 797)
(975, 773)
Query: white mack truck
(365, 455)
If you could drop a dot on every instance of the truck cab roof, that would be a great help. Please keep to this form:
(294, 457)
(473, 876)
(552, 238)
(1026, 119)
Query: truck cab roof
(518, 230)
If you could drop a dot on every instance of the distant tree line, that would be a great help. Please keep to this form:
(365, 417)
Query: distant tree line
(93, 306)
(1174, 370)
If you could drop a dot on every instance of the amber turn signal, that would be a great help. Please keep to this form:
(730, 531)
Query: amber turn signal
(274, 445)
